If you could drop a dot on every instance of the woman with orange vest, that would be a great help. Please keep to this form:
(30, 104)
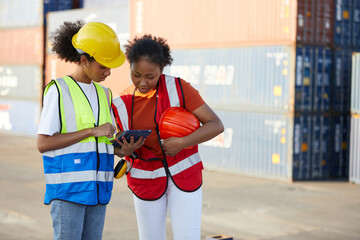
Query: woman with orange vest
(164, 173)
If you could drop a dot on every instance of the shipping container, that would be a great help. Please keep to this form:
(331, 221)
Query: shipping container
(22, 46)
(304, 78)
(302, 146)
(355, 84)
(322, 79)
(256, 78)
(213, 23)
(341, 81)
(340, 132)
(19, 117)
(315, 22)
(116, 17)
(254, 144)
(347, 24)
(21, 82)
(21, 14)
(356, 25)
(117, 81)
(354, 171)
(313, 78)
(311, 146)
(320, 149)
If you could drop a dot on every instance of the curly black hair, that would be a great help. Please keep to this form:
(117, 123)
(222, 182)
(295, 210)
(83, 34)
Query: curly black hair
(153, 48)
(62, 45)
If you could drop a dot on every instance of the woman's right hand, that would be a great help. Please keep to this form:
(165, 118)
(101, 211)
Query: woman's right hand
(127, 148)
(106, 129)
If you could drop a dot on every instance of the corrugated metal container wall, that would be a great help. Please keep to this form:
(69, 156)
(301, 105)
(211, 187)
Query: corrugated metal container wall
(313, 78)
(21, 82)
(356, 25)
(311, 148)
(302, 146)
(322, 79)
(117, 81)
(342, 81)
(354, 174)
(22, 46)
(255, 144)
(315, 22)
(19, 117)
(320, 149)
(21, 14)
(355, 84)
(116, 17)
(254, 78)
(210, 23)
(343, 23)
(340, 132)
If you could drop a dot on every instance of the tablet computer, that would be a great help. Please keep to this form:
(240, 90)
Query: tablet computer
(132, 133)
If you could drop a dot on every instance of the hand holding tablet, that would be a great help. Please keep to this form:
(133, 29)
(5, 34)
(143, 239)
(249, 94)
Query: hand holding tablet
(131, 133)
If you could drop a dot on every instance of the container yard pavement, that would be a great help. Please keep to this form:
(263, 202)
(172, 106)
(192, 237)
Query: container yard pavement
(235, 205)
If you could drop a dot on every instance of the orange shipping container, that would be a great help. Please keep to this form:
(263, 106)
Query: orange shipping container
(216, 23)
(22, 46)
(117, 81)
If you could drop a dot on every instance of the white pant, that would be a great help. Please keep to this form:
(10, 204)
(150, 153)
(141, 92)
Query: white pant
(184, 211)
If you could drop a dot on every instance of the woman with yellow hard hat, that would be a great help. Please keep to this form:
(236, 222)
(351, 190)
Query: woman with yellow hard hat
(76, 128)
(166, 172)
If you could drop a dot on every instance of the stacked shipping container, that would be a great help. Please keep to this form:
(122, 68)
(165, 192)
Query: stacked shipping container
(276, 71)
(21, 63)
(269, 76)
(354, 174)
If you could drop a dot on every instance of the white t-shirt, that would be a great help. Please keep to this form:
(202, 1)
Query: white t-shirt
(50, 119)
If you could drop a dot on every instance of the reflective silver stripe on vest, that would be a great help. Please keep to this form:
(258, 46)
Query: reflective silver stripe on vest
(160, 172)
(69, 111)
(105, 176)
(121, 107)
(172, 92)
(81, 176)
(81, 147)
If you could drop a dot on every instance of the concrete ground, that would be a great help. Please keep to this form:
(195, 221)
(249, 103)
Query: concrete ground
(235, 205)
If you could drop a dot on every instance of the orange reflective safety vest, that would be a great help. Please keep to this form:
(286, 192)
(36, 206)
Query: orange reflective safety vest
(149, 174)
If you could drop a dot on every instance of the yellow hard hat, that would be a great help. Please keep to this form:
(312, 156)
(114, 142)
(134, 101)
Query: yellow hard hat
(100, 42)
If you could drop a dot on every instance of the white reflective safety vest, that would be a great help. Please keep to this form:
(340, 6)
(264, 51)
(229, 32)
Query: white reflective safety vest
(83, 172)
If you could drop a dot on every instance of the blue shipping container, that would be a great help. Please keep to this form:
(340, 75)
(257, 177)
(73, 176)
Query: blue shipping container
(342, 31)
(302, 147)
(340, 132)
(304, 79)
(341, 81)
(322, 79)
(320, 149)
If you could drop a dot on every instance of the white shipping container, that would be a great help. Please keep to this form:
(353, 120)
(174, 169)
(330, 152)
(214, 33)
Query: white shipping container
(354, 172)
(355, 84)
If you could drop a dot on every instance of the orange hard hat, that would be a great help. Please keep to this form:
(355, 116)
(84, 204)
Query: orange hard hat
(177, 122)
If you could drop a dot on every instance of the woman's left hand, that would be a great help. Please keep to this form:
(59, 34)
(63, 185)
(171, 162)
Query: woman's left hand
(172, 145)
